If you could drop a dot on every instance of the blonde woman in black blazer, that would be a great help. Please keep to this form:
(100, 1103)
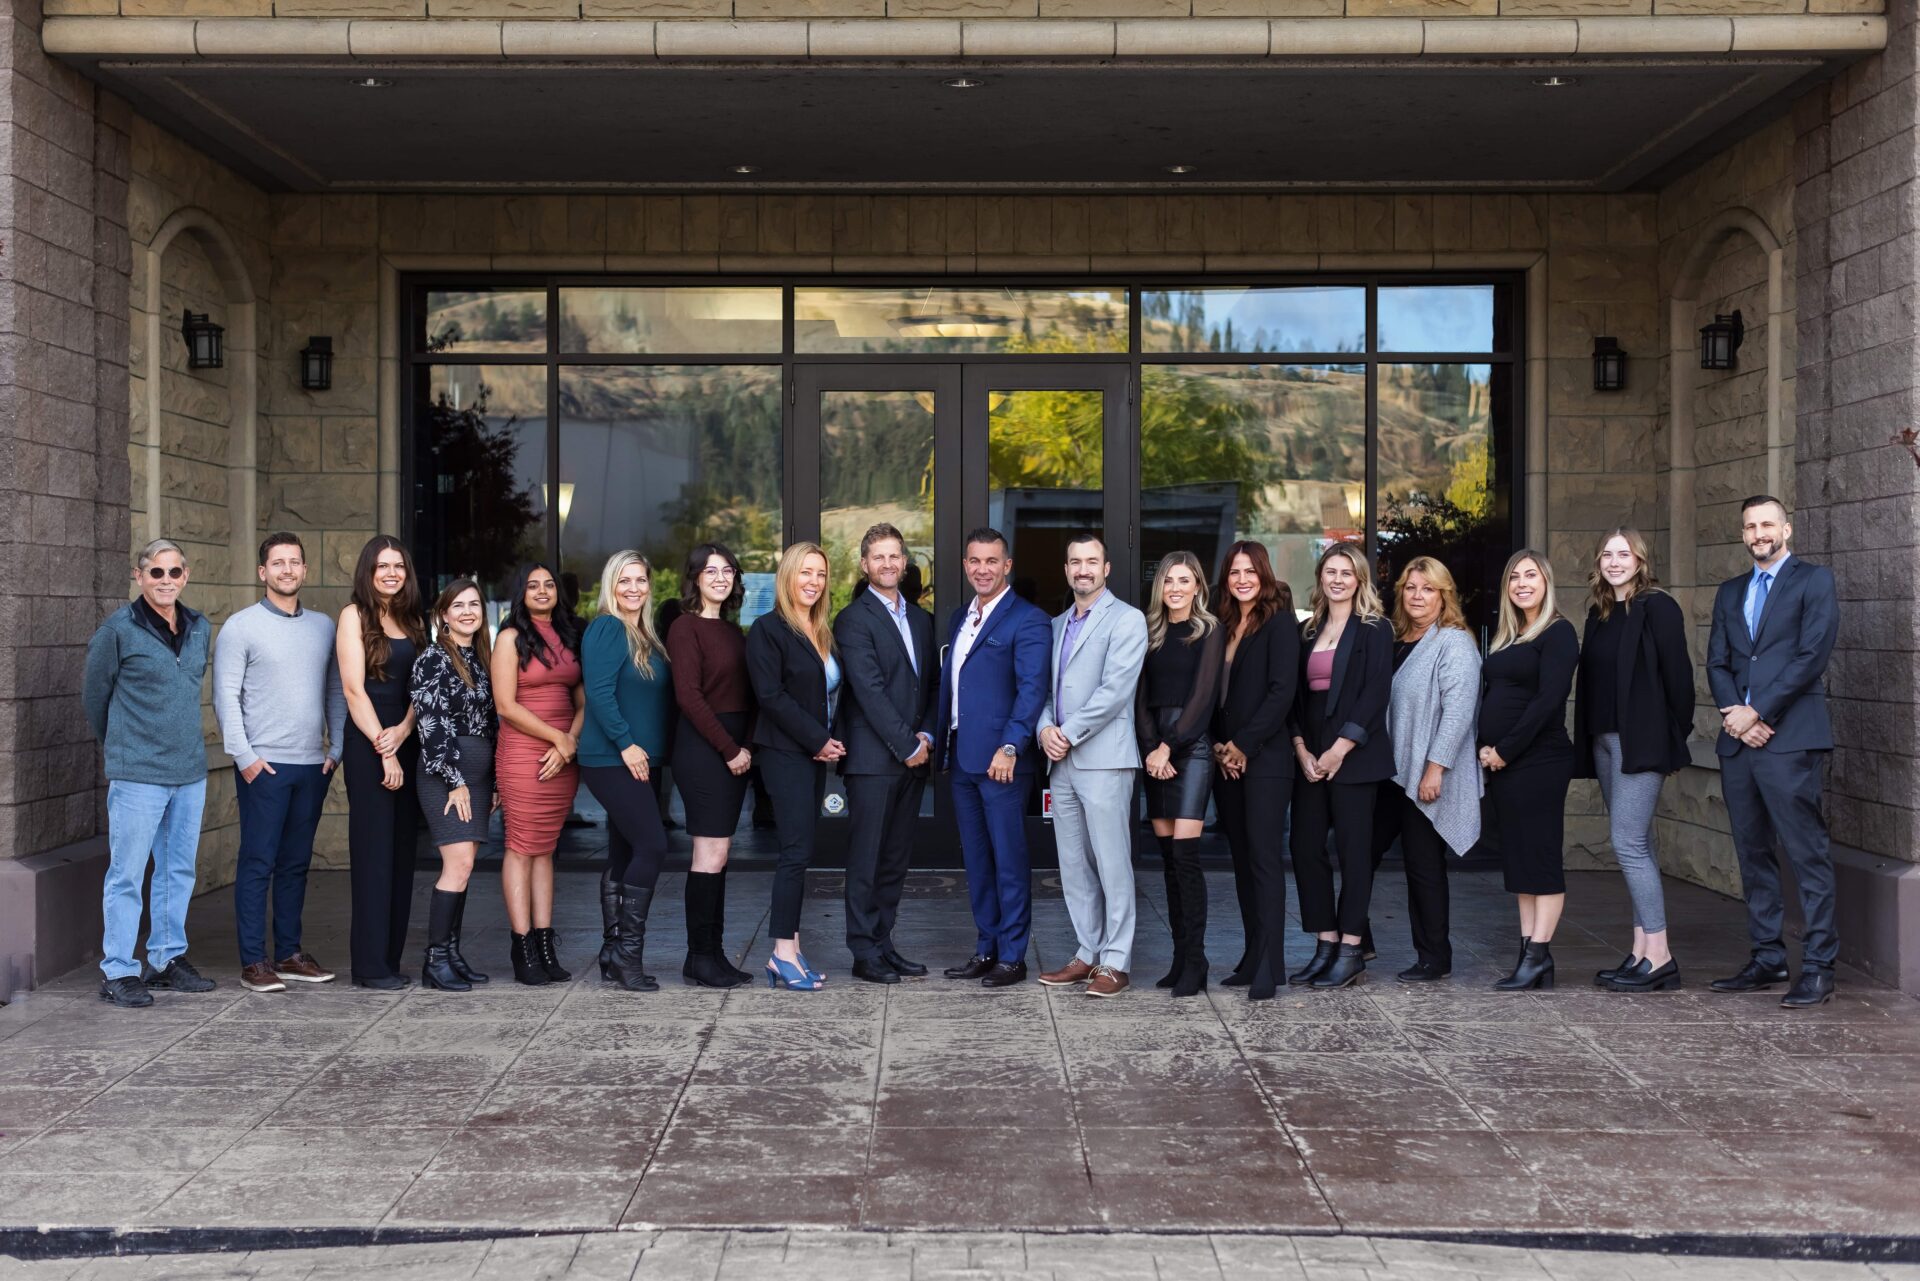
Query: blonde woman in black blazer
(790, 661)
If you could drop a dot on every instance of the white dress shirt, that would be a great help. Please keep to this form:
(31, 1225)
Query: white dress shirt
(963, 643)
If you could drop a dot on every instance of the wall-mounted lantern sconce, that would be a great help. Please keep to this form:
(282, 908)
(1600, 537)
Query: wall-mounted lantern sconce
(1720, 340)
(316, 364)
(205, 341)
(1609, 365)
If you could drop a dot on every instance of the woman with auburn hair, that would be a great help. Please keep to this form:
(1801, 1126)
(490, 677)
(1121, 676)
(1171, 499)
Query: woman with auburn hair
(453, 706)
(537, 690)
(629, 690)
(790, 660)
(1340, 739)
(380, 634)
(1632, 712)
(1173, 709)
(1432, 803)
(1527, 755)
(710, 759)
(1254, 769)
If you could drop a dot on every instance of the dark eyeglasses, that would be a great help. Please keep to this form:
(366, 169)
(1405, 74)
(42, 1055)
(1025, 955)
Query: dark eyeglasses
(157, 573)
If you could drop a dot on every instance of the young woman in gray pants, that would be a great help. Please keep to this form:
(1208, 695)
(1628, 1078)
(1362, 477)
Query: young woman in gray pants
(1632, 711)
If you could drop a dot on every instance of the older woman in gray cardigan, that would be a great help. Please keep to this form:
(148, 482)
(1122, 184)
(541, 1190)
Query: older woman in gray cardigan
(1433, 801)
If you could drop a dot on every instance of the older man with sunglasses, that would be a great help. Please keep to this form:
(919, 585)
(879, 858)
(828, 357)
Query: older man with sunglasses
(142, 695)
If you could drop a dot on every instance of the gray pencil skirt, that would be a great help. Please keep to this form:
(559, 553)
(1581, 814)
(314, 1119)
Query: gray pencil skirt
(444, 825)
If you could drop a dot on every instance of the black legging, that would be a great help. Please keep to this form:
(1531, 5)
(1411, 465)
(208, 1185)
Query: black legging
(1254, 813)
(1345, 809)
(794, 783)
(1425, 855)
(382, 834)
(636, 840)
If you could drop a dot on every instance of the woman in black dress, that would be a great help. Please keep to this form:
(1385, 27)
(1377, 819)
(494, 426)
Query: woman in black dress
(1254, 768)
(708, 655)
(1179, 687)
(1340, 740)
(379, 635)
(1527, 754)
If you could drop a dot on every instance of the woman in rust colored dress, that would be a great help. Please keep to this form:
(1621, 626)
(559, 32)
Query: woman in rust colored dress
(542, 705)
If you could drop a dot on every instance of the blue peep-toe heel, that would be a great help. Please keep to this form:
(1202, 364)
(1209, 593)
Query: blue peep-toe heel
(792, 977)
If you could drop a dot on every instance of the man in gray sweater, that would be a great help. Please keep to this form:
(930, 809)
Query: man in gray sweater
(141, 691)
(283, 716)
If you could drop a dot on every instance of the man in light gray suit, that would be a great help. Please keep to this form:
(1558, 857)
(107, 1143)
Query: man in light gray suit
(1099, 644)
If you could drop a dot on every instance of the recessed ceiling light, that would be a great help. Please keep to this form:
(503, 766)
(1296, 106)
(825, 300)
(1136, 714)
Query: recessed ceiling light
(745, 169)
(1556, 82)
(962, 82)
(370, 82)
(1180, 168)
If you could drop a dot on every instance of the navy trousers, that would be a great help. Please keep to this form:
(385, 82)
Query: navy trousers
(993, 843)
(279, 813)
(1776, 796)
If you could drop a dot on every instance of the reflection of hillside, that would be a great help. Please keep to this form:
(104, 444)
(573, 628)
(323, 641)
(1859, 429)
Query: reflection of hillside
(488, 321)
(1434, 422)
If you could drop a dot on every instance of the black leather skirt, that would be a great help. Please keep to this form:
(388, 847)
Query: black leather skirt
(1185, 794)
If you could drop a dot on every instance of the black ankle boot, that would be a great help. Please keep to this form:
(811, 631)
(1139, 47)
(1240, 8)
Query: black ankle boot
(610, 890)
(1173, 912)
(1192, 977)
(1324, 953)
(454, 958)
(626, 969)
(1348, 965)
(438, 971)
(526, 962)
(706, 964)
(720, 931)
(1535, 970)
(543, 942)
(1524, 940)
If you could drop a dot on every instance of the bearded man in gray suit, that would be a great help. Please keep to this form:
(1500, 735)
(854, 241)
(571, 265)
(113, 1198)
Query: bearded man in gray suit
(1099, 645)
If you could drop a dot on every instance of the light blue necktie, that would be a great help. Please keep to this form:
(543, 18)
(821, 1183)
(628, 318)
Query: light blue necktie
(1759, 604)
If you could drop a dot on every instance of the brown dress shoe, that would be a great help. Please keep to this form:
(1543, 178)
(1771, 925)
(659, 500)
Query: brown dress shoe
(259, 977)
(1074, 971)
(1107, 981)
(301, 968)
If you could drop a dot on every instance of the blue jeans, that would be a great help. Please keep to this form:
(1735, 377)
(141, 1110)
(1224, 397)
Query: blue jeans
(279, 813)
(146, 821)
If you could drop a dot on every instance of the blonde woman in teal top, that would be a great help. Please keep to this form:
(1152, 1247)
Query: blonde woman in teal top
(629, 693)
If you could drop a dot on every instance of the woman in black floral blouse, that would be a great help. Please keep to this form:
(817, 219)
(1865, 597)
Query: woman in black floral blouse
(453, 705)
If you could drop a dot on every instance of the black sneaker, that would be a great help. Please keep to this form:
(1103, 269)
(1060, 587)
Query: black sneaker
(179, 976)
(127, 992)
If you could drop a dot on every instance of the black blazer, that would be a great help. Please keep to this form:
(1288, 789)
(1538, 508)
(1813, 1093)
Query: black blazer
(1259, 698)
(1357, 699)
(790, 684)
(884, 703)
(1784, 665)
(1653, 692)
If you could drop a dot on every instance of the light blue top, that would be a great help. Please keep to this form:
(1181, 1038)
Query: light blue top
(897, 611)
(1756, 601)
(833, 675)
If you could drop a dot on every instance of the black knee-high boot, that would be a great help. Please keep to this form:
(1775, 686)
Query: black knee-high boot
(627, 969)
(706, 966)
(458, 961)
(720, 921)
(610, 892)
(1173, 911)
(1193, 917)
(438, 972)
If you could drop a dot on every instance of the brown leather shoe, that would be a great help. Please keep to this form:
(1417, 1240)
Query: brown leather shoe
(1107, 981)
(1073, 972)
(301, 968)
(259, 977)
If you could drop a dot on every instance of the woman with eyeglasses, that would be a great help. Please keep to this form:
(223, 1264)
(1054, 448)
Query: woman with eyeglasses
(542, 704)
(708, 654)
(380, 634)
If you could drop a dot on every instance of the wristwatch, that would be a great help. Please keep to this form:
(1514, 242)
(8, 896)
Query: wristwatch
(1008, 749)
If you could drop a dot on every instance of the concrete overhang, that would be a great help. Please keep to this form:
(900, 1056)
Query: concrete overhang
(1246, 104)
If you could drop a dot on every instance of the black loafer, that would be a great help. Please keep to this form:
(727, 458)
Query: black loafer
(873, 971)
(127, 992)
(1753, 977)
(1005, 975)
(1813, 987)
(1422, 972)
(1602, 977)
(179, 976)
(385, 983)
(975, 966)
(902, 966)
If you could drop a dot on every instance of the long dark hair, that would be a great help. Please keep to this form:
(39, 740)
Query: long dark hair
(1265, 605)
(528, 643)
(443, 634)
(691, 602)
(403, 610)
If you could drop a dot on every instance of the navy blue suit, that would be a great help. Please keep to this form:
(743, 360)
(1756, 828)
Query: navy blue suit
(1003, 688)
(1774, 791)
